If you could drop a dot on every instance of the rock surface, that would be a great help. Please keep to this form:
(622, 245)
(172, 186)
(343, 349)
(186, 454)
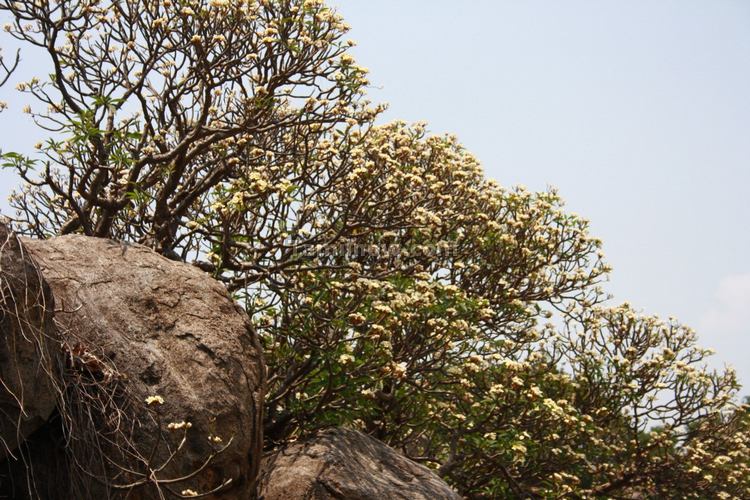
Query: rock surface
(346, 464)
(166, 329)
(30, 356)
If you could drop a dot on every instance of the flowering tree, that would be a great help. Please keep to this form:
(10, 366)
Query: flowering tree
(151, 102)
(609, 406)
(395, 288)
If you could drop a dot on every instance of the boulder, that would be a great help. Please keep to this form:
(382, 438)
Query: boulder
(30, 355)
(347, 464)
(161, 353)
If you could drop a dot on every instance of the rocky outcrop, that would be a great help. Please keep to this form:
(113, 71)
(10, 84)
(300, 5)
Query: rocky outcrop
(177, 351)
(30, 356)
(346, 464)
(149, 384)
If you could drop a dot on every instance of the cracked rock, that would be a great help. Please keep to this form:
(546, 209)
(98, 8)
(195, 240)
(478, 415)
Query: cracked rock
(30, 356)
(162, 330)
(347, 464)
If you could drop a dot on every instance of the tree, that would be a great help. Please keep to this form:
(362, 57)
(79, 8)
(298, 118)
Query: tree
(395, 288)
(7, 69)
(156, 102)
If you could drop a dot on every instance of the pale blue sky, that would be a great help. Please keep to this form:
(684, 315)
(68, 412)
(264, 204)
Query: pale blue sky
(637, 110)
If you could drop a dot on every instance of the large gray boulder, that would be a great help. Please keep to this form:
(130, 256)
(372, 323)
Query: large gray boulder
(30, 354)
(161, 344)
(347, 464)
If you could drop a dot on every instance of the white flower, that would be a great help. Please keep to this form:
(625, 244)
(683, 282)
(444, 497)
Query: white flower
(154, 400)
(347, 59)
(174, 426)
(399, 369)
(356, 319)
(496, 389)
(519, 448)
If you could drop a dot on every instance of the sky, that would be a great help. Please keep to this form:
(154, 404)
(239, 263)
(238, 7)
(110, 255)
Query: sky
(638, 111)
